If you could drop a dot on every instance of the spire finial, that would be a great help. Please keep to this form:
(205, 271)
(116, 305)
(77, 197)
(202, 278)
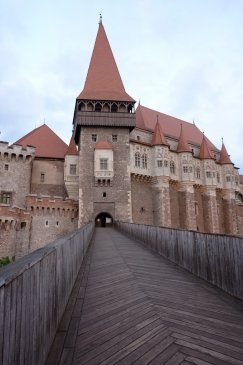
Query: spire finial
(100, 21)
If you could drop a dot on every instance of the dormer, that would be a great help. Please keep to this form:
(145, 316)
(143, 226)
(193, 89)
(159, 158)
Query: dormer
(103, 163)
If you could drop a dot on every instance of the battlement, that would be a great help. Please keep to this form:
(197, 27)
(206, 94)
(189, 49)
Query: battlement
(51, 205)
(16, 152)
(13, 218)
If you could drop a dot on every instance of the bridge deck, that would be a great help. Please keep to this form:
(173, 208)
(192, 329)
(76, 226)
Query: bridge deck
(131, 306)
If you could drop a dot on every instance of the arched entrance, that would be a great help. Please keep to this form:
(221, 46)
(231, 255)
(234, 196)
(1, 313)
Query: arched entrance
(103, 220)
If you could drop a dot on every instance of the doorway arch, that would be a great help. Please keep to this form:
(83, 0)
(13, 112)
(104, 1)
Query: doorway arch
(103, 220)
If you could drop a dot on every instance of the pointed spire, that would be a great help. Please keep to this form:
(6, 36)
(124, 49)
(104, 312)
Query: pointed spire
(224, 157)
(205, 150)
(182, 143)
(103, 81)
(158, 136)
(72, 149)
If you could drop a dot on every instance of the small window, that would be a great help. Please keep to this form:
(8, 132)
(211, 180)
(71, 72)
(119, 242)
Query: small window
(114, 137)
(57, 224)
(159, 163)
(185, 169)
(94, 137)
(144, 161)
(46, 223)
(104, 164)
(165, 163)
(198, 173)
(22, 225)
(6, 167)
(190, 169)
(42, 178)
(104, 194)
(72, 169)
(228, 178)
(138, 138)
(208, 174)
(218, 177)
(172, 167)
(196, 208)
(5, 198)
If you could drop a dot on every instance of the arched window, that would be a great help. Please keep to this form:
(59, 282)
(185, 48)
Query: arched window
(198, 173)
(144, 161)
(137, 159)
(114, 108)
(172, 167)
(98, 107)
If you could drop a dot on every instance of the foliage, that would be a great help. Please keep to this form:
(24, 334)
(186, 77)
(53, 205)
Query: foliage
(6, 260)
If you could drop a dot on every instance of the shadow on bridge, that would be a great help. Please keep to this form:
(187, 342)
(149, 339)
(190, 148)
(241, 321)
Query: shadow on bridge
(131, 306)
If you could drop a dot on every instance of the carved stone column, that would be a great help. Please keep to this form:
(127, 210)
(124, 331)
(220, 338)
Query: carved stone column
(161, 201)
(187, 206)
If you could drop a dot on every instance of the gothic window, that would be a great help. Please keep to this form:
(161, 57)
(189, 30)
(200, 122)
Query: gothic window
(5, 198)
(208, 174)
(165, 163)
(172, 167)
(144, 161)
(185, 169)
(190, 169)
(137, 159)
(94, 137)
(72, 169)
(198, 173)
(98, 107)
(104, 164)
(159, 163)
(81, 106)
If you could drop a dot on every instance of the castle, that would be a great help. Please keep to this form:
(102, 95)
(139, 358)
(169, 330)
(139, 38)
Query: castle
(139, 166)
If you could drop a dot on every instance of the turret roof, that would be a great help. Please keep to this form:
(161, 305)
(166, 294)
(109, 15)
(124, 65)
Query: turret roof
(103, 81)
(224, 157)
(158, 136)
(182, 143)
(47, 143)
(205, 151)
(72, 149)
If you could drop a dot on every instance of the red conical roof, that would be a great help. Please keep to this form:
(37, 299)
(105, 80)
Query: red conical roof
(47, 143)
(224, 157)
(103, 81)
(72, 149)
(182, 143)
(158, 136)
(205, 151)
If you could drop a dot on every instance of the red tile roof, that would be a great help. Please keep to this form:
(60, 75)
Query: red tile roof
(47, 143)
(146, 119)
(103, 145)
(72, 149)
(103, 81)
(205, 151)
(224, 157)
(158, 136)
(182, 143)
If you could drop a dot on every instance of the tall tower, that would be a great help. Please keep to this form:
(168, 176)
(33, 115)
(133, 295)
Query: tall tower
(103, 118)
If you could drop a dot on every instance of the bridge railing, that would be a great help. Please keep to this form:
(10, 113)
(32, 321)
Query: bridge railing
(213, 257)
(33, 295)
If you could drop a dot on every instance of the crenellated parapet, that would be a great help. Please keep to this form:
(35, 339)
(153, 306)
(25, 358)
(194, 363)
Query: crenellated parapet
(16, 152)
(44, 205)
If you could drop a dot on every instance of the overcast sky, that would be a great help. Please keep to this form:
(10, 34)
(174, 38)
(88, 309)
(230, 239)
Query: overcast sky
(182, 57)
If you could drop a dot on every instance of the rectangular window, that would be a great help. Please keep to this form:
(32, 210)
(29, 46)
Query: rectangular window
(196, 208)
(185, 169)
(104, 164)
(42, 178)
(94, 137)
(165, 163)
(228, 178)
(159, 163)
(208, 174)
(46, 223)
(72, 169)
(6, 167)
(5, 198)
(114, 137)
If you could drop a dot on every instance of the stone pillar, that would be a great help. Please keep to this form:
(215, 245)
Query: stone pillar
(210, 210)
(187, 206)
(161, 201)
(229, 212)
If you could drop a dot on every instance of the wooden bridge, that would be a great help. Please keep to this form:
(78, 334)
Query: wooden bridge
(131, 306)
